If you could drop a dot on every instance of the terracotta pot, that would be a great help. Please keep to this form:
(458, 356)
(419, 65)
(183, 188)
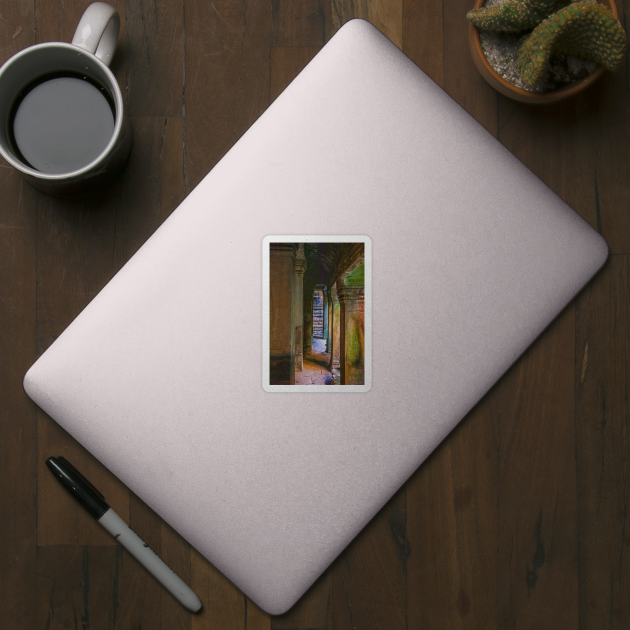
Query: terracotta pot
(518, 94)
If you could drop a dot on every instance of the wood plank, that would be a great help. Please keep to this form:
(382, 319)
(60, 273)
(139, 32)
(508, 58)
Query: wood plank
(560, 150)
(18, 421)
(603, 468)
(573, 148)
(564, 147)
(17, 28)
(226, 78)
(55, 23)
(18, 415)
(74, 248)
(452, 527)
(558, 147)
(461, 78)
(369, 577)
(300, 22)
(76, 587)
(386, 15)
(537, 537)
(313, 609)
(154, 57)
(61, 520)
(224, 606)
(142, 600)
(152, 184)
(423, 36)
(171, 159)
(608, 129)
(285, 64)
(255, 618)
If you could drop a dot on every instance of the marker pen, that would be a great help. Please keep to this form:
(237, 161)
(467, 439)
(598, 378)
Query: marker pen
(94, 502)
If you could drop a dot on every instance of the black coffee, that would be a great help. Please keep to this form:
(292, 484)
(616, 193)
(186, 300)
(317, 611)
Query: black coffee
(62, 122)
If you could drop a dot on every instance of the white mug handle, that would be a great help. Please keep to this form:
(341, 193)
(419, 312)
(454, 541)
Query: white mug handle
(98, 31)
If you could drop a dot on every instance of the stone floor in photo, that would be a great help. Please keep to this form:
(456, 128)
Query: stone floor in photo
(315, 369)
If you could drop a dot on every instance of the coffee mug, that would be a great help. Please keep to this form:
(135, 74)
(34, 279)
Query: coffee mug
(62, 114)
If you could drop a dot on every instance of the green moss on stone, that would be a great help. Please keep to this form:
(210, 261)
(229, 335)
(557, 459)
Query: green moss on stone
(353, 346)
(356, 278)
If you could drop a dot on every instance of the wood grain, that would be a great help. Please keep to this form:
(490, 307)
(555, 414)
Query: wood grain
(609, 134)
(76, 587)
(285, 64)
(537, 510)
(461, 79)
(18, 416)
(226, 78)
(147, 603)
(151, 187)
(61, 521)
(313, 609)
(452, 515)
(224, 606)
(300, 22)
(422, 36)
(386, 15)
(573, 149)
(57, 22)
(369, 577)
(602, 380)
(154, 57)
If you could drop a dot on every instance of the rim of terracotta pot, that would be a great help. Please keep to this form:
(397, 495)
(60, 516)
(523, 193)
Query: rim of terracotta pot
(519, 94)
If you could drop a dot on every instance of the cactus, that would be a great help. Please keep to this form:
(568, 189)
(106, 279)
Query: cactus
(584, 29)
(513, 16)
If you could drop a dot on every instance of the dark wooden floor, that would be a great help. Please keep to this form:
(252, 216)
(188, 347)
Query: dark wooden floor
(518, 520)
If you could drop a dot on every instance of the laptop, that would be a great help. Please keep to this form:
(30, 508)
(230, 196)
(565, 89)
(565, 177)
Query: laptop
(365, 226)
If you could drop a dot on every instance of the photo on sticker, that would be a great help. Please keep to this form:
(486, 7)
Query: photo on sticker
(317, 314)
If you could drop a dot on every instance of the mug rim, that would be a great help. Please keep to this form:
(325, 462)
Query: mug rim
(118, 122)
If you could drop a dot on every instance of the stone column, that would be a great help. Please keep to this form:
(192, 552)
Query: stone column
(308, 319)
(298, 301)
(334, 353)
(329, 318)
(325, 312)
(281, 315)
(352, 326)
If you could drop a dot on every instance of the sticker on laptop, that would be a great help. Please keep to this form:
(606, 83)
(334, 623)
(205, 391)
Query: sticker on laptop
(317, 313)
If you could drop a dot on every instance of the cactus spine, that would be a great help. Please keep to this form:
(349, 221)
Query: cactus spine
(583, 29)
(513, 16)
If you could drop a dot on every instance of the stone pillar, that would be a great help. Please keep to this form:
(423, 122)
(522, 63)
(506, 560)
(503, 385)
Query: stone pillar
(298, 302)
(329, 319)
(308, 319)
(334, 353)
(352, 326)
(281, 314)
(325, 311)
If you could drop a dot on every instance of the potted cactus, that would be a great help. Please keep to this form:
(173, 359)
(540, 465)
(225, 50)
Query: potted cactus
(558, 49)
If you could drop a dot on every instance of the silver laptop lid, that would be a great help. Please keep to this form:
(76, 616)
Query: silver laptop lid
(161, 376)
